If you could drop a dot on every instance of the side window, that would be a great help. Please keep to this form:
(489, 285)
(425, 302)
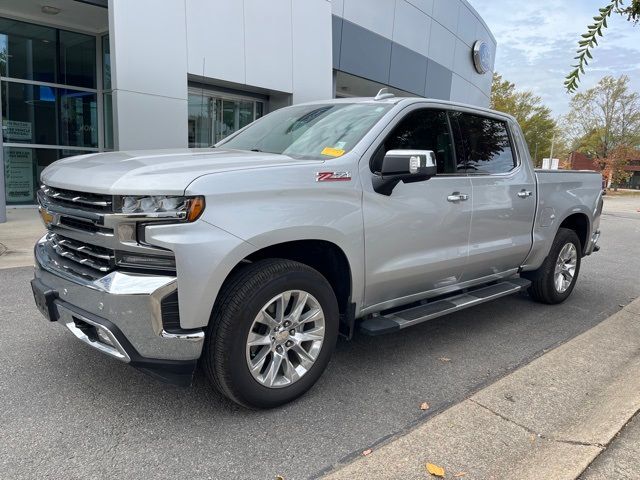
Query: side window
(484, 144)
(425, 129)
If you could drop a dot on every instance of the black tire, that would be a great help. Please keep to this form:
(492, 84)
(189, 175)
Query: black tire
(543, 287)
(242, 297)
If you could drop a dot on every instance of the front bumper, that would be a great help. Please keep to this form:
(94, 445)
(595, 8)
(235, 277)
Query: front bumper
(120, 315)
(593, 243)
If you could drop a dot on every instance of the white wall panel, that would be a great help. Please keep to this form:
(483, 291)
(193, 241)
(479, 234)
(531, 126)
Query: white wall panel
(215, 32)
(446, 13)
(268, 49)
(337, 7)
(149, 121)
(467, 24)
(463, 61)
(312, 51)
(442, 45)
(460, 89)
(412, 27)
(376, 15)
(149, 56)
(425, 5)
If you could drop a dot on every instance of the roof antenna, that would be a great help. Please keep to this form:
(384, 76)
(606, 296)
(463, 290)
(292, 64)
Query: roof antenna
(384, 93)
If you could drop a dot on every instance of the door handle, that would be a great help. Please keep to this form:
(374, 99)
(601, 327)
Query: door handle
(458, 197)
(524, 193)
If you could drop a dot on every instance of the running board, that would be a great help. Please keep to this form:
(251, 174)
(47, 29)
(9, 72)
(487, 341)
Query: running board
(392, 322)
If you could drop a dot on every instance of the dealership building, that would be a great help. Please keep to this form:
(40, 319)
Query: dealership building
(98, 75)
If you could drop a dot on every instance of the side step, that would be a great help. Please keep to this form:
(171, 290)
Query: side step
(392, 322)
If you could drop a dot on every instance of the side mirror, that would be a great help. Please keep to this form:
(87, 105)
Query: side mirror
(404, 165)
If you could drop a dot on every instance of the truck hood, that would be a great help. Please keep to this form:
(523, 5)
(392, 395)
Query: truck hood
(167, 172)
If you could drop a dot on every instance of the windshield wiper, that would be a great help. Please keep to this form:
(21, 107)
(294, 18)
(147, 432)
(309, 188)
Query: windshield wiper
(256, 150)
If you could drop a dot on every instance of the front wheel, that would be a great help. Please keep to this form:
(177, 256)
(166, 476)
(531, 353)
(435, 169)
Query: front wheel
(271, 334)
(555, 279)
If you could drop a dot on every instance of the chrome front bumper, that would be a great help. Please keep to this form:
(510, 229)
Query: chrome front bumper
(119, 314)
(593, 243)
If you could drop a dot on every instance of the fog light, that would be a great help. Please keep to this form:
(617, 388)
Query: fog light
(103, 336)
(148, 261)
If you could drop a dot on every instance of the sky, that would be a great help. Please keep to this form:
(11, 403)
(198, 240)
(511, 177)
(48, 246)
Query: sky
(537, 40)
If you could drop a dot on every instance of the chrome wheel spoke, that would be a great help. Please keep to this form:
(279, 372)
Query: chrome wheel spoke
(266, 319)
(300, 303)
(257, 339)
(271, 374)
(256, 363)
(306, 359)
(312, 335)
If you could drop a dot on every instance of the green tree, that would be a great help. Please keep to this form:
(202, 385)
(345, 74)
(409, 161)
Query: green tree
(604, 117)
(533, 116)
(589, 39)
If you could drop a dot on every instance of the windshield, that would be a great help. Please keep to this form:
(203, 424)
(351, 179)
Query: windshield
(309, 131)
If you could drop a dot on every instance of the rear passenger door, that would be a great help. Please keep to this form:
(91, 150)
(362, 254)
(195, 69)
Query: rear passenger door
(503, 195)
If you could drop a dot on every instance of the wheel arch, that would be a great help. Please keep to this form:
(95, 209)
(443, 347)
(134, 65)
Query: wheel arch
(324, 256)
(578, 222)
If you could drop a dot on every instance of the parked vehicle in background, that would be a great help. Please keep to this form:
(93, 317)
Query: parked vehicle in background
(320, 219)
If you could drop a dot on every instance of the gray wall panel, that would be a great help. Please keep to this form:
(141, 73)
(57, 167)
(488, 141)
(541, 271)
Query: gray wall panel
(408, 70)
(365, 53)
(336, 31)
(438, 84)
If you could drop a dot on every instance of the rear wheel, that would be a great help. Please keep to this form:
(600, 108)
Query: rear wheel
(555, 279)
(272, 333)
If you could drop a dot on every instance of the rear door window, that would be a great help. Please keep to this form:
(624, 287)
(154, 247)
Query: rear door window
(483, 143)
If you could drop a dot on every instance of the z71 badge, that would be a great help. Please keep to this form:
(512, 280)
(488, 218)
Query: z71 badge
(333, 177)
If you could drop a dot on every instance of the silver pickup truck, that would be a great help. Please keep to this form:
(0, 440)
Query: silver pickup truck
(361, 215)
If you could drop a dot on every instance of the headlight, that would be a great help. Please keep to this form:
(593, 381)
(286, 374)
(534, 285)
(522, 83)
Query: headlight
(184, 208)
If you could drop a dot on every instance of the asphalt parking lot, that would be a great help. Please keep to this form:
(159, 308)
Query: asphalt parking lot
(69, 412)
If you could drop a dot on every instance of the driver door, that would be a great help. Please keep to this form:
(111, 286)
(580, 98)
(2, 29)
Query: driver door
(417, 238)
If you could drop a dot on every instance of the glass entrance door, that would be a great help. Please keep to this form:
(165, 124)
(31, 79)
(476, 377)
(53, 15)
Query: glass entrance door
(213, 117)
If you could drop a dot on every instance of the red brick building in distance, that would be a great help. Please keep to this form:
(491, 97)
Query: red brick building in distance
(580, 161)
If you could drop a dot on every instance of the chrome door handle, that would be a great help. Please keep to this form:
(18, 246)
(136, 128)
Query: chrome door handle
(524, 193)
(457, 197)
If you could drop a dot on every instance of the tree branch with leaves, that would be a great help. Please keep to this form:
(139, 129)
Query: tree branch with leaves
(589, 40)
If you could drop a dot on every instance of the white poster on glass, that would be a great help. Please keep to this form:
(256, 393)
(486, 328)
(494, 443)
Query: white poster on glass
(15, 130)
(18, 175)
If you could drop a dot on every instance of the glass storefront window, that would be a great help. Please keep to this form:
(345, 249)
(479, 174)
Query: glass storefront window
(107, 110)
(106, 63)
(29, 114)
(45, 54)
(49, 116)
(78, 118)
(23, 167)
(77, 60)
(213, 117)
(27, 51)
(49, 101)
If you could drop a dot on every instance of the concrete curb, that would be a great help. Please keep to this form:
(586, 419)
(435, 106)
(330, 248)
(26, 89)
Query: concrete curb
(548, 419)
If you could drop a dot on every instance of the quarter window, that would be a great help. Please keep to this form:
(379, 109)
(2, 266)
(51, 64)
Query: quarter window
(424, 129)
(484, 144)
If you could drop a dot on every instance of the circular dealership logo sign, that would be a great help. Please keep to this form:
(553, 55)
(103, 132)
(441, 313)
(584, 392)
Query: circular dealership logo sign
(481, 56)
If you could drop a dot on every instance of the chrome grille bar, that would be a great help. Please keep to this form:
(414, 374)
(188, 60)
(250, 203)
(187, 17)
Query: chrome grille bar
(97, 258)
(90, 201)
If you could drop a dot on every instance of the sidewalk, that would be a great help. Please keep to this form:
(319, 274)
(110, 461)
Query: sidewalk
(550, 419)
(18, 236)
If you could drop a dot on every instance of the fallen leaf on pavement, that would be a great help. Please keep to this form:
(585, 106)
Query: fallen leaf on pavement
(424, 406)
(435, 470)
(367, 452)
(444, 359)
(460, 474)
(279, 477)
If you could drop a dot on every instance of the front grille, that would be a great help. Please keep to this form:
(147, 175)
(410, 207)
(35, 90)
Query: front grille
(92, 256)
(85, 201)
